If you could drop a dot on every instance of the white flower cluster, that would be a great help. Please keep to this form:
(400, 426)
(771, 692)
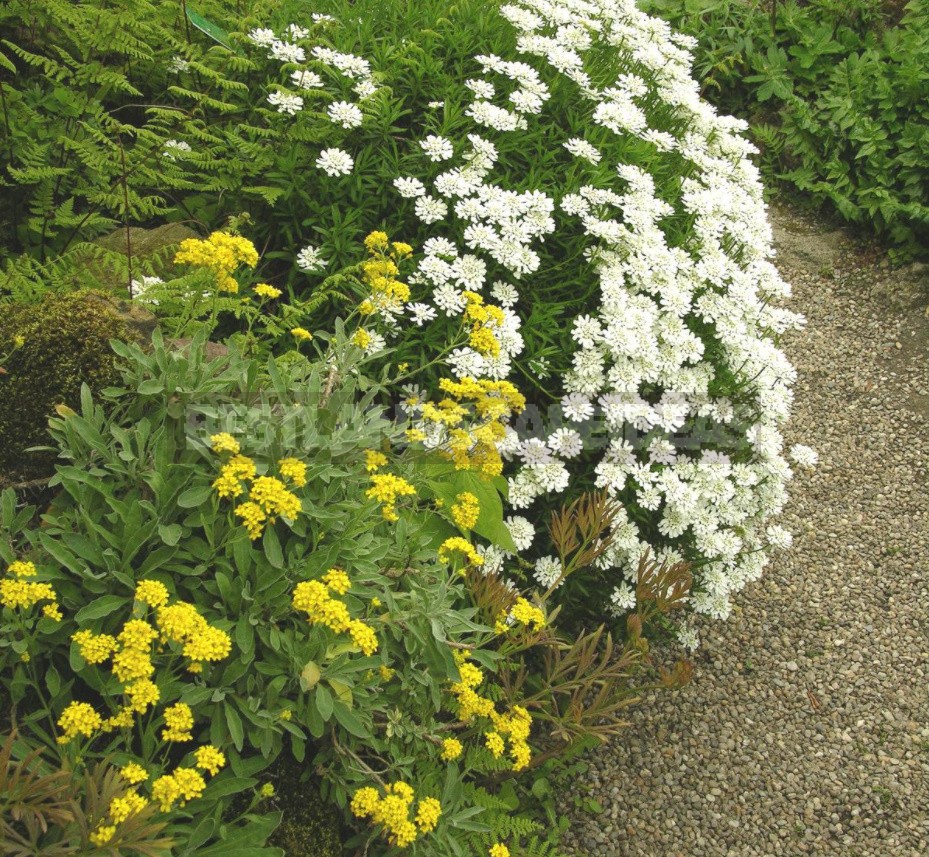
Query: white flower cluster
(683, 339)
(175, 149)
(351, 69)
(527, 97)
(641, 363)
(449, 274)
(676, 367)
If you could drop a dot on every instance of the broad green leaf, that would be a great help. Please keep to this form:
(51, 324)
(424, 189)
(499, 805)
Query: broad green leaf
(100, 607)
(208, 28)
(170, 533)
(234, 722)
(324, 702)
(349, 720)
(272, 547)
(309, 675)
(194, 497)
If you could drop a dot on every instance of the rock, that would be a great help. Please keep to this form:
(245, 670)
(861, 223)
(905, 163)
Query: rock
(145, 243)
(139, 320)
(211, 350)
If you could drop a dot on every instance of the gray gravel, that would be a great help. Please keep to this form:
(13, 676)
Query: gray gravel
(806, 728)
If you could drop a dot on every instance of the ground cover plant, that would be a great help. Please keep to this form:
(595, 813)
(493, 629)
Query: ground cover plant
(836, 96)
(475, 350)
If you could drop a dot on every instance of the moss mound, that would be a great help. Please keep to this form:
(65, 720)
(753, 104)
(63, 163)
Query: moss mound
(311, 827)
(57, 345)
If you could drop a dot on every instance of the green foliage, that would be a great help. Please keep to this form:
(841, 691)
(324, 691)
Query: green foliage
(25, 279)
(51, 349)
(139, 500)
(86, 121)
(42, 813)
(836, 96)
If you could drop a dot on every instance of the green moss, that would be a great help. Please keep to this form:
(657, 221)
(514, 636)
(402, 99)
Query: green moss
(65, 344)
(311, 826)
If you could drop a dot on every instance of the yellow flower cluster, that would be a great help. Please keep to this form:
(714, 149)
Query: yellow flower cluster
(387, 293)
(495, 743)
(121, 808)
(313, 597)
(210, 759)
(392, 812)
(491, 399)
(151, 592)
(294, 470)
(361, 338)
(474, 448)
(221, 253)
(263, 290)
(129, 804)
(183, 785)
(484, 319)
(131, 654)
(499, 850)
(19, 594)
(237, 469)
(377, 242)
(387, 488)
(428, 812)
(225, 442)
(22, 568)
(134, 773)
(78, 718)
(456, 544)
(301, 334)
(179, 720)
(200, 641)
(103, 834)
(337, 580)
(274, 498)
(515, 725)
(268, 496)
(374, 460)
(522, 612)
(465, 510)
(451, 749)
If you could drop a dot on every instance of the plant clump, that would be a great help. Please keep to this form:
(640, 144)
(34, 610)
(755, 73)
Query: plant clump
(54, 347)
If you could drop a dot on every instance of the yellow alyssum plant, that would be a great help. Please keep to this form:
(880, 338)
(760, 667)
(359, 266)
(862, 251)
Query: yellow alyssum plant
(471, 420)
(158, 633)
(314, 598)
(266, 497)
(222, 254)
(175, 629)
(387, 489)
(515, 724)
(20, 595)
(392, 810)
(466, 510)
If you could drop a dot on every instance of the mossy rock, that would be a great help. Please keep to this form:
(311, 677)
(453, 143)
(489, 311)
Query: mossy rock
(311, 826)
(146, 244)
(65, 343)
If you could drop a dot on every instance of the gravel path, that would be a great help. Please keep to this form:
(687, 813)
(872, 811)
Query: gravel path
(806, 728)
